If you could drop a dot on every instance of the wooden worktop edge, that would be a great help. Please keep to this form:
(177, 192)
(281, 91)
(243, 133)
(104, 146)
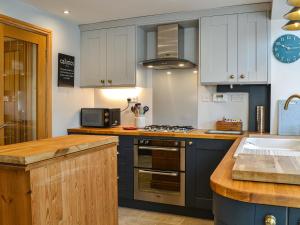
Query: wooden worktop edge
(120, 131)
(248, 191)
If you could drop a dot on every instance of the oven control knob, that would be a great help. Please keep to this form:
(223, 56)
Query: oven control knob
(190, 142)
(106, 120)
(106, 114)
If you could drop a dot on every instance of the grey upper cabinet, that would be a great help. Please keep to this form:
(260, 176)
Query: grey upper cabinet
(121, 58)
(93, 58)
(234, 49)
(219, 49)
(108, 57)
(253, 47)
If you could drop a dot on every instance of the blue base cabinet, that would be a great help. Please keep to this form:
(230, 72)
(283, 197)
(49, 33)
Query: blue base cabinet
(125, 167)
(230, 212)
(202, 158)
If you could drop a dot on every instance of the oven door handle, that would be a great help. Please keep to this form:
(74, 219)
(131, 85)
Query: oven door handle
(159, 148)
(171, 174)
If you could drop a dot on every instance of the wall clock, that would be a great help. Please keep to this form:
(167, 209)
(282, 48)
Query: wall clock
(287, 48)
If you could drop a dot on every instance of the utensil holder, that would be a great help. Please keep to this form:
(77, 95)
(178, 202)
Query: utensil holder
(140, 122)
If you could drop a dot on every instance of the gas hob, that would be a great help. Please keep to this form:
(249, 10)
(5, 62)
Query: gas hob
(168, 128)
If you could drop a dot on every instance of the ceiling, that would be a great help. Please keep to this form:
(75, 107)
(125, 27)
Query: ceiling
(90, 11)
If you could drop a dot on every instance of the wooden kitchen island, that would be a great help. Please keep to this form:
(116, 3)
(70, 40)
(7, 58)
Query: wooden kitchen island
(59, 181)
(239, 202)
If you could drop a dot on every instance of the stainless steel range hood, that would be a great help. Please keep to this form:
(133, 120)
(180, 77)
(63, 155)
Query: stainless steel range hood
(170, 49)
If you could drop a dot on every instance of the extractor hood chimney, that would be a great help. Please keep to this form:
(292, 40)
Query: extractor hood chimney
(170, 49)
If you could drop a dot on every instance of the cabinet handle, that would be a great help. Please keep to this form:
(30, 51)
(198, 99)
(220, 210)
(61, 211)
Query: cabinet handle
(109, 81)
(242, 76)
(232, 76)
(270, 220)
(190, 143)
(102, 81)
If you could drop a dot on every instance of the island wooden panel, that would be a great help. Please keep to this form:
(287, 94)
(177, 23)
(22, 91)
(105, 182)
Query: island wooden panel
(14, 196)
(250, 191)
(80, 190)
(35, 151)
(67, 189)
(120, 131)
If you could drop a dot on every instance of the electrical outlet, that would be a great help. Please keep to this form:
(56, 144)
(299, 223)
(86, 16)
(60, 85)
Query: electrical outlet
(134, 99)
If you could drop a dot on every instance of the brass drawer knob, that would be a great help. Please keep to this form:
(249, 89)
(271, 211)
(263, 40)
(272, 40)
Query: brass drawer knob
(190, 143)
(270, 220)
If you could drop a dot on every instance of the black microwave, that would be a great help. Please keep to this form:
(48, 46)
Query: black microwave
(100, 117)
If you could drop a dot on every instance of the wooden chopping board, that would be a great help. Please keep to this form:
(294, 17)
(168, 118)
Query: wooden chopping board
(267, 168)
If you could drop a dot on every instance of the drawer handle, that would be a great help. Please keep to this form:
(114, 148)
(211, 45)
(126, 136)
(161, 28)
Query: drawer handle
(270, 220)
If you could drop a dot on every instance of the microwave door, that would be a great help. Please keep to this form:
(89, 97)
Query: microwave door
(92, 118)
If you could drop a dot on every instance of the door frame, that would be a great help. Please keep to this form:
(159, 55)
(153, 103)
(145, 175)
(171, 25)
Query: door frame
(6, 20)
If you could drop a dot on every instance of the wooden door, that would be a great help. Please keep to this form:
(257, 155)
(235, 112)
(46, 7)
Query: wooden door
(121, 60)
(253, 48)
(219, 49)
(23, 85)
(93, 58)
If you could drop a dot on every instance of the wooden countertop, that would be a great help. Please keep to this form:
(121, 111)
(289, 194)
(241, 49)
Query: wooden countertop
(252, 192)
(141, 132)
(36, 151)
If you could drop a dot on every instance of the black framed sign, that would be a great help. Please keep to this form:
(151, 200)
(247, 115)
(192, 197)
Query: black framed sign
(66, 70)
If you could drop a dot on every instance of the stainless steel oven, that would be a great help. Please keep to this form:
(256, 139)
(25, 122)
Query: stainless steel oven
(159, 171)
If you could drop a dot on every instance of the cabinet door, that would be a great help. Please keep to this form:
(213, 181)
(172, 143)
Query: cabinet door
(219, 49)
(253, 48)
(294, 216)
(93, 58)
(202, 157)
(121, 64)
(125, 167)
(280, 214)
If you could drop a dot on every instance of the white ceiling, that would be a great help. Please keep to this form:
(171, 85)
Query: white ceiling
(89, 11)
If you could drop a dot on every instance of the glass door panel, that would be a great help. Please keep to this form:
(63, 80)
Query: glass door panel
(19, 81)
(23, 85)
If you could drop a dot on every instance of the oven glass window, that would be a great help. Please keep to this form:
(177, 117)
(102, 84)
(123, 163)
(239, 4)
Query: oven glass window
(159, 182)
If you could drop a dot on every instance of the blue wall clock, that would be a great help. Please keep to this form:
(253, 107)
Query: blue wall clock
(287, 48)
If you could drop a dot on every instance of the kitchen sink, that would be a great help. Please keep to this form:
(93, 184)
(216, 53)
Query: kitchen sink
(269, 146)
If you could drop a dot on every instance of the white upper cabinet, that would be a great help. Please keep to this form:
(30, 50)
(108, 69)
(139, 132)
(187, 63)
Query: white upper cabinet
(108, 57)
(253, 48)
(93, 58)
(219, 49)
(121, 58)
(234, 49)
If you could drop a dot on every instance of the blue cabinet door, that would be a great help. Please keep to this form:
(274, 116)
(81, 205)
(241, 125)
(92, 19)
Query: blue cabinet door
(230, 212)
(125, 167)
(202, 157)
(294, 216)
(280, 214)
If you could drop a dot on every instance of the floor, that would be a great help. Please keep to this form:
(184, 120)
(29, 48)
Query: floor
(138, 217)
